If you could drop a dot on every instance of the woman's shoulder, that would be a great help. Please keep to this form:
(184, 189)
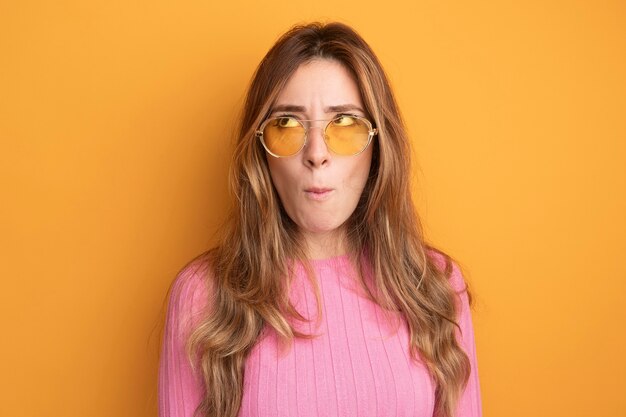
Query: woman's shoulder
(192, 287)
(449, 266)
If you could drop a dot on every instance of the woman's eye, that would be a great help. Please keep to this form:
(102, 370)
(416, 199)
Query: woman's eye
(287, 122)
(344, 121)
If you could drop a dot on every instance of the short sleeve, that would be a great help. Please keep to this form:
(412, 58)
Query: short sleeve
(470, 402)
(180, 389)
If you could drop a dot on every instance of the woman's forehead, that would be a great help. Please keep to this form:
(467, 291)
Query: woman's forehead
(320, 85)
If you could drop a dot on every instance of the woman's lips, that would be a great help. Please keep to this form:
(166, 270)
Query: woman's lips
(318, 194)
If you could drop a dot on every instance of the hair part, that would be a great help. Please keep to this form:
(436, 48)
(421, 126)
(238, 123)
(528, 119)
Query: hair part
(252, 266)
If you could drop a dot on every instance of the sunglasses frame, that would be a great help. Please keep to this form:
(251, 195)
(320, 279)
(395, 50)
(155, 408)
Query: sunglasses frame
(372, 131)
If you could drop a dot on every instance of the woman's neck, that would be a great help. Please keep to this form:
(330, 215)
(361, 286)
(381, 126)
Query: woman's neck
(323, 245)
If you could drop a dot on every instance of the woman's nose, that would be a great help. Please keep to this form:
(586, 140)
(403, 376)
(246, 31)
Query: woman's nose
(316, 152)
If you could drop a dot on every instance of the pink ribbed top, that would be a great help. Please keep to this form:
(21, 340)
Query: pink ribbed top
(358, 366)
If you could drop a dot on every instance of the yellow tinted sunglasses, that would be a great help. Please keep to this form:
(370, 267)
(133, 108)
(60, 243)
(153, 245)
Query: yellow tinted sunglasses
(344, 135)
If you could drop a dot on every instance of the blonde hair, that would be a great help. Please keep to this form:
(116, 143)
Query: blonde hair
(250, 269)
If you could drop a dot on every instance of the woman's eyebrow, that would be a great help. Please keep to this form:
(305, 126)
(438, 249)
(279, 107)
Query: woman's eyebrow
(288, 108)
(343, 108)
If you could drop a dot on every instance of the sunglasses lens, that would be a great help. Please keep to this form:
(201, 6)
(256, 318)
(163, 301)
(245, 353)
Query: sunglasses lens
(347, 135)
(283, 136)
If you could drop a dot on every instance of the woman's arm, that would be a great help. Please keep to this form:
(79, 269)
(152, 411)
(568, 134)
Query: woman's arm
(469, 403)
(180, 389)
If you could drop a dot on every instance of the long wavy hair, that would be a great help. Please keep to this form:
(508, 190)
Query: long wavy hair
(250, 268)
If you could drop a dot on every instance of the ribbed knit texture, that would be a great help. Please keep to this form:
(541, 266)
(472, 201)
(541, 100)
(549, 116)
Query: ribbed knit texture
(358, 366)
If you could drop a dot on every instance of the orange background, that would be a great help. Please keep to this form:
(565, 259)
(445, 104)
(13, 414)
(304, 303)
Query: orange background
(116, 122)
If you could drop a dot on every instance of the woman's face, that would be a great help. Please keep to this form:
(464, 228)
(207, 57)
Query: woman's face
(319, 189)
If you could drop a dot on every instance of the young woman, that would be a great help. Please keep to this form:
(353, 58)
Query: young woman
(323, 298)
